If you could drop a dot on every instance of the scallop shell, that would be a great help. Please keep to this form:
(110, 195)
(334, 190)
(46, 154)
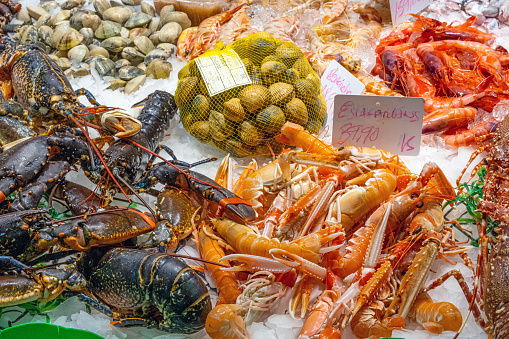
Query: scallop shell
(254, 97)
(280, 93)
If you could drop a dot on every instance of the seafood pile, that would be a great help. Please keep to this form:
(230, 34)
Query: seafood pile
(280, 86)
(323, 241)
(120, 42)
(453, 68)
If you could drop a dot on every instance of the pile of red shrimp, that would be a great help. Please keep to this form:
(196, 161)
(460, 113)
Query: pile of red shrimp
(453, 68)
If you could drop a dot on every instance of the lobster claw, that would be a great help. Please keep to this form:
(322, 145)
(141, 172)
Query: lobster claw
(124, 124)
(254, 263)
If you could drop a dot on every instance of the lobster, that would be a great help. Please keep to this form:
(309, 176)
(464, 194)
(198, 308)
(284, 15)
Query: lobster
(26, 161)
(128, 157)
(154, 290)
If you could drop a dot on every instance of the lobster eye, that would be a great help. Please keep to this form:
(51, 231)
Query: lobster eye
(419, 204)
(414, 196)
(417, 230)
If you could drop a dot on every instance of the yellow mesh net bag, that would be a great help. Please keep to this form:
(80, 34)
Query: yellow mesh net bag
(238, 97)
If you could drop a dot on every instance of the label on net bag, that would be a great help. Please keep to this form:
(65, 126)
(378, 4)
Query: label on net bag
(222, 71)
(390, 123)
(401, 8)
(338, 80)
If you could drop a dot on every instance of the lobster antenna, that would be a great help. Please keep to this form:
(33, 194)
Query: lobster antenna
(138, 196)
(100, 157)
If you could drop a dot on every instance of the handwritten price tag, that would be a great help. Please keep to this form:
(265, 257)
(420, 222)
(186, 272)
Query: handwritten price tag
(338, 80)
(401, 8)
(390, 123)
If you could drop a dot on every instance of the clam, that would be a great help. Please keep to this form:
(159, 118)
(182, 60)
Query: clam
(186, 89)
(60, 16)
(88, 35)
(260, 46)
(139, 31)
(155, 24)
(93, 58)
(105, 67)
(233, 110)
(271, 58)
(45, 33)
(98, 50)
(50, 6)
(254, 97)
(53, 57)
(137, 20)
(270, 119)
(156, 54)
(28, 35)
(122, 63)
(91, 21)
(289, 52)
(70, 4)
(218, 122)
(134, 85)
(201, 131)
(78, 53)
(61, 54)
(129, 72)
(248, 64)
(143, 44)
(132, 54)
(116, 84)
(168, 47)
(148, 9)
(249, 134)
(302, 66)
(81, 72)
(170, 32)
(295, 111)
(125, 125)
(36, 11)
(23, 15)
(272, 72)
(76, 20)
(131, 2)
(179, 17)
(115, 44)
(108, 29)
(235, 148)
(317, 109)
(142, 66)
(159, 69)
(63, 63)
(313, 126)
(117, 14)
(154, 37)
(305, 90)
(101, 6)
(43, 20)
(280, 93)
(291, 75)
(124, 32)
(200, 106)
(67, 40)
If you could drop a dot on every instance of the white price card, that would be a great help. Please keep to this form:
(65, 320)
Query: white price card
(401, 8)
(222, 72)
(390, 123)
(338, 80)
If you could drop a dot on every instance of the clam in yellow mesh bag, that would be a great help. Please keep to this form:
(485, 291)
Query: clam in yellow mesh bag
(238, 97)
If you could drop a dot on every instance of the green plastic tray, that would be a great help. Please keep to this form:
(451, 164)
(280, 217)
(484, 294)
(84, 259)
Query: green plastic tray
(43, 331)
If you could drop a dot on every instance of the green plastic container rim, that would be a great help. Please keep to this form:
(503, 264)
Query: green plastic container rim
(43, 331)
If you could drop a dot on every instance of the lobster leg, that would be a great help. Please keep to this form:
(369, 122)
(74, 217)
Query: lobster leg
(96, 305)
(6, 261)
(86, 93)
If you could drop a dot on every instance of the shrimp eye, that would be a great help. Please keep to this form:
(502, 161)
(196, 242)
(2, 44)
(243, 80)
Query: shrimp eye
(187, 52)
(414, 196)
(417, 230)
(420, 204)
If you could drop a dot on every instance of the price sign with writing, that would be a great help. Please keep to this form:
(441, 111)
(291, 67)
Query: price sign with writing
(390, 123)
(338, 80)
(401, 8)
